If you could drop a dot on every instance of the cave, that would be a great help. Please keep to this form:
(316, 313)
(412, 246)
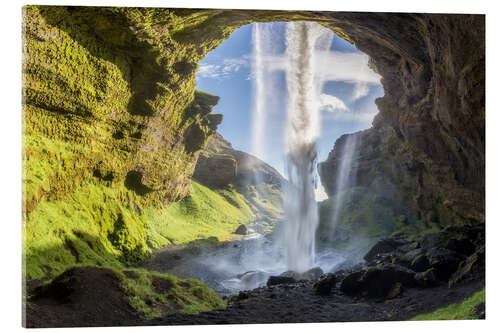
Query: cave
(123, 122)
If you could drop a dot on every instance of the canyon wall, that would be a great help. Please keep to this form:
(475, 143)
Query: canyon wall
(426, 149)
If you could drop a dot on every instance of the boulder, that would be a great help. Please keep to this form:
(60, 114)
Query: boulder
(325, 284)
(241, 230)
(277, 280)
(312, 274)
(378, 282)
(444, 261)
(420, 263)
(384, 246)
(460, 239)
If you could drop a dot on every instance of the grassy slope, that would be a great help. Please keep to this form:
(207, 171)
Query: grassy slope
(459, 311)
(204, 213)
(92, 226)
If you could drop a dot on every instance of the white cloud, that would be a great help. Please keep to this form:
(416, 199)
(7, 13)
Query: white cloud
(209, 71)
(332, 103)
(361, 89)
(363, 117)
(345, 66)
(228, 67)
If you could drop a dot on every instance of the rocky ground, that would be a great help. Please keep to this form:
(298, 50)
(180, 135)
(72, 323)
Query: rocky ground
(399, 280)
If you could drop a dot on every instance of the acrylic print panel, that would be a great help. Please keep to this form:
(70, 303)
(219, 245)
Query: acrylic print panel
(208, 166)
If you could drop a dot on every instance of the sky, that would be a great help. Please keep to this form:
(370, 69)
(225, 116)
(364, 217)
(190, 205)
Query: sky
(346, 95)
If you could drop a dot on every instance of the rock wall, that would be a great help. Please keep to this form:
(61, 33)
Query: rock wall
(219, 166)
(427, 144)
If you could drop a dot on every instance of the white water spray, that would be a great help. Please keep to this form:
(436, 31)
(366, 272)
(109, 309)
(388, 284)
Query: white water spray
(302, 131)
(345, 175)
(258, 70)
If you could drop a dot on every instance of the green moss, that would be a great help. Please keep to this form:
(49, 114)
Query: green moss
(91, 226)
(155, 294)
(364, 218)
(460, 311)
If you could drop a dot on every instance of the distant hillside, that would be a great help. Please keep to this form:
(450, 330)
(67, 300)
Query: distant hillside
(220, 166)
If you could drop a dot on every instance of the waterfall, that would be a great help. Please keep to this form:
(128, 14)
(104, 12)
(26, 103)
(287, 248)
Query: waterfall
(307, 43)
(302, 132)
(345, 175)
(258, 70)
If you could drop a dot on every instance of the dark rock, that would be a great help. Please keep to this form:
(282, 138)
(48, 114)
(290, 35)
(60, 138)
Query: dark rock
(215, 170)
(472, 268)
(291, 274)
(348, 266)
(220, 165)
(312, 274)
(377, 282)
(420, 263)
(444, 261)
(325, 284)
(411, 255)
(241, 230)
(243, 295)
(458, 239)
(276, 280)
(384, 246)
(427, 278)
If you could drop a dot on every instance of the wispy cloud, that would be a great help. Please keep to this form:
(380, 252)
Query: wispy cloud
(225, 70)
(345, 66)
(361, 89)
(332, 103)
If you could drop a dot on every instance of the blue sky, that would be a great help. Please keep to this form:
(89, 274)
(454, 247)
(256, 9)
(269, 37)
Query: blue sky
(347, 95)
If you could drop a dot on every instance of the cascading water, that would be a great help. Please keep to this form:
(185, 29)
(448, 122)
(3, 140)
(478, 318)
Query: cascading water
(302, 131)
(302, 57)
(258, 70)
(345, 176)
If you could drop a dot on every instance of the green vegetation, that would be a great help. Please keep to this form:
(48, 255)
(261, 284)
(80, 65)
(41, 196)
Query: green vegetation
(204, 213)
(155, 294)
(364, 218)
(459, 311)
(93, 226)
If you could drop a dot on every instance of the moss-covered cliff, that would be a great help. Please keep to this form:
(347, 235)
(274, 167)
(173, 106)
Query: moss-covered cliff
(113, 127)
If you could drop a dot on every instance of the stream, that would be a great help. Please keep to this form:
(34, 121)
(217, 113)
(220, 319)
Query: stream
(236, 265)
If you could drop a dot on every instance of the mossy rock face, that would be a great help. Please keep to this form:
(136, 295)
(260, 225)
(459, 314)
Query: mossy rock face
(363, 217)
